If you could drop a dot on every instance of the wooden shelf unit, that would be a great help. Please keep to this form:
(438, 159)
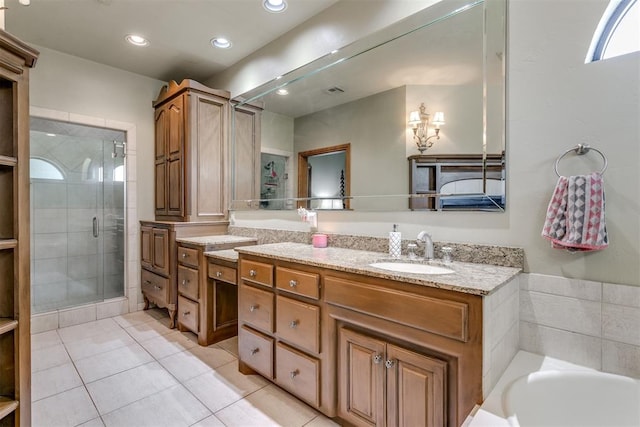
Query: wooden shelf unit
(16, 58)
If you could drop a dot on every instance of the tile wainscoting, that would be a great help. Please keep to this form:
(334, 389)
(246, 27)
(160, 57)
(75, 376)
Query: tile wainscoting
(589, 323)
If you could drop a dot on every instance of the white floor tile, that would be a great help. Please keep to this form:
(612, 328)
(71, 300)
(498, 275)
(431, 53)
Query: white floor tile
(269, 406)
(195, 361)
(149, 330)
(174, 407)
(49, 357)
(87, 330)
(70, 408)
(211, 421)
(96, 422)
(98, 344)
(112, 362)
(231, 345)
(138, 317)
(224, 386)
(44, 340)
(54, 380)
(166, 345)
(322, 421)
(129, 386)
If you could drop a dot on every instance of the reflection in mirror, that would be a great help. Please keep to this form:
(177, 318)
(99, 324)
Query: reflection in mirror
(446, 60)
(324, 177)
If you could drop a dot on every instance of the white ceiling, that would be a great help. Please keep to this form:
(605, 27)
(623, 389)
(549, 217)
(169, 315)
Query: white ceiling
(179, 31)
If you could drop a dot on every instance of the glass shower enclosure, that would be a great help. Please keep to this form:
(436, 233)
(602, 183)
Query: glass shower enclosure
(77, 214)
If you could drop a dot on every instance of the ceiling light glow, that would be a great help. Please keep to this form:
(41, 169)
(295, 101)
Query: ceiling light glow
(221, 43)
(275, 6)
(137, 40)
(282, 92)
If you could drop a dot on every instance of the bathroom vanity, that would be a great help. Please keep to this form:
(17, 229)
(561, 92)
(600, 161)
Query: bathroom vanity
(366, 345)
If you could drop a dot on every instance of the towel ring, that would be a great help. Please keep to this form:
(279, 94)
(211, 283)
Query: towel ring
(581, 149)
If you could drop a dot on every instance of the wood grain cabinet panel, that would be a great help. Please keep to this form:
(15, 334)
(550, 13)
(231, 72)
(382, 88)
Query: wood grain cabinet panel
(298, 323)
(298, 282)
(257, 272)
(256, 350)
(298, 373)
(188, 284)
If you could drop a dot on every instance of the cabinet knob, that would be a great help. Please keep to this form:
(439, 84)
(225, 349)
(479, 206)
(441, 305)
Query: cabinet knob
(293, 283)
(254, 351)
(377, 358)
(390, 363)
(294, 374)
(186, 313)
(184, 255)
(218, 273)
(253, 273)
(253, 308)
(293, 324)
(157, 288)
(184, 282)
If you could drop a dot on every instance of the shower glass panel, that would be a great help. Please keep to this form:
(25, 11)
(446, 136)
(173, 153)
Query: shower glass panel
(273, 180)
(77, 214)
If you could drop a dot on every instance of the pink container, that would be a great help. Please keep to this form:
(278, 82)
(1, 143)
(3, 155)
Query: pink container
(319, 240)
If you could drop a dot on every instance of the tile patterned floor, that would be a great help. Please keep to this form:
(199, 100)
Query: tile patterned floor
(134, 371)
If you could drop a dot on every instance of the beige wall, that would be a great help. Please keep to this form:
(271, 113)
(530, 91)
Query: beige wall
(69, 84)
(554, 101)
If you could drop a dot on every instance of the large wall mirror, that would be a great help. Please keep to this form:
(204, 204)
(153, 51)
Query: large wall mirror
(420, 105)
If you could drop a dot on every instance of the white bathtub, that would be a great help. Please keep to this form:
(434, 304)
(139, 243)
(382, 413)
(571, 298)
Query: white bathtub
(543, 392)
(572, 398)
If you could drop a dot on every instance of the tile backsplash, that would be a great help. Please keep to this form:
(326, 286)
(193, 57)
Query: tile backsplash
(589, 323)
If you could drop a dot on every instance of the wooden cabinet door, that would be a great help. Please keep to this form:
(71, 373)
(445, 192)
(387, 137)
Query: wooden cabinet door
(175, 156)
(146, 247)
(416, 387)
(161, 127)
(361, 376)
(161, 250)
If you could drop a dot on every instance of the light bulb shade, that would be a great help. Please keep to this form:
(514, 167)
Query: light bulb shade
(438, 118)
(414, 118)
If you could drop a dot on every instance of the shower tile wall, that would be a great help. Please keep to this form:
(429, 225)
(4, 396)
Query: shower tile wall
(66, 258)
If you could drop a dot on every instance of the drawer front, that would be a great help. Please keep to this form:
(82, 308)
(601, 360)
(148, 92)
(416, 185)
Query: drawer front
(222, 273)
(298, 323)
(188, 314)
(155, 287)
(255, 307)
(298, 282)
(298, 373)
(256, 350)
(257, 272)
(188, 256)
(439, 316)
(188, 282)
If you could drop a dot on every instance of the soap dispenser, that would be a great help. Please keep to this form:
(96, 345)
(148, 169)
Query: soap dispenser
(395, 242)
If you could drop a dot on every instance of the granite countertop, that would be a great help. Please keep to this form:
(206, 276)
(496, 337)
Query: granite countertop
(222, 240)
(476, 279)
(225, 255)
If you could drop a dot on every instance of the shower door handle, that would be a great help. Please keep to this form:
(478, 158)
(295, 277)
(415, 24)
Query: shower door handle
(95, 227)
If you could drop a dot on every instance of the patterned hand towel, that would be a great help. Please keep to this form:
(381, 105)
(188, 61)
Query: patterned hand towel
(575, 216)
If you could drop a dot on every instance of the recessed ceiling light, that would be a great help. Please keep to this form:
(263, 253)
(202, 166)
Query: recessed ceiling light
(275, 6)
(51, 134)
(282, 92)
(137, 40)
(221, 42)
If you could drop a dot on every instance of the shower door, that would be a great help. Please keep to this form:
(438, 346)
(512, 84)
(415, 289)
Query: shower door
(77, 226)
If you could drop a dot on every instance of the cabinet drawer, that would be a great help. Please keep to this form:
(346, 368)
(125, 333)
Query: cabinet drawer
(298, 323)
(188, 282)
(220, 272)
(298, 282)
(298, 373)
(257, 272)
(255, 307)
(188, 314)
(155, 287)
(439, 316)
(256, 350)
(188, 256)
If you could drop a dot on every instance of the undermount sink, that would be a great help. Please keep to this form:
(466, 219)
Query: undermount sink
(407, 267)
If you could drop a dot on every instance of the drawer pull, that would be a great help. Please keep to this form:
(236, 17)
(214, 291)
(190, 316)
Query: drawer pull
(293, 283)
(218, 273)
(253, 273)
(390, 363)
(254, 351)
(157, 288)
(184, 255)
(184, 282)
(186, 313)
(253, 308)
(293, 324)
(294, 374)
(377, 359)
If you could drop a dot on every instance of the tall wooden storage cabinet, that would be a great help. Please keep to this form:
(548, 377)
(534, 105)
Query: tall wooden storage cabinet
(247, 121)
(191, 153)
(15, 300)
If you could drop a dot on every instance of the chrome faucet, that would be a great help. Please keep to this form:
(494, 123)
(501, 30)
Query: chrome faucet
(425, 238)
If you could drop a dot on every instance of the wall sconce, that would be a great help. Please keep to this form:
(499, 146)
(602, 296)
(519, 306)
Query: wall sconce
(419, 121)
